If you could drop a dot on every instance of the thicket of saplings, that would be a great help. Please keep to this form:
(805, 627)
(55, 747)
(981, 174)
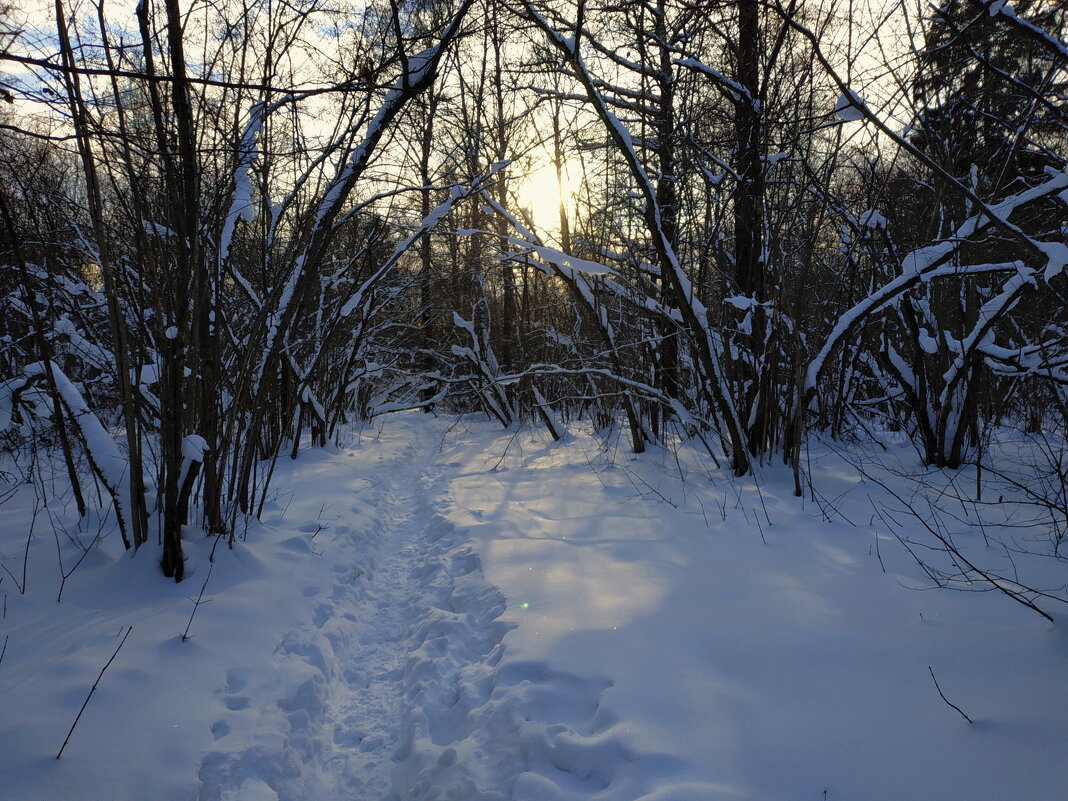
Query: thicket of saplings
(225, 233)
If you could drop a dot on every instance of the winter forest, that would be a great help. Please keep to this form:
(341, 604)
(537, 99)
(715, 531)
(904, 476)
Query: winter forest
(470, 400)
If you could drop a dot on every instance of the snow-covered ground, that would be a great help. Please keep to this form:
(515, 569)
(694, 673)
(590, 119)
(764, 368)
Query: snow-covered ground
(445, 611)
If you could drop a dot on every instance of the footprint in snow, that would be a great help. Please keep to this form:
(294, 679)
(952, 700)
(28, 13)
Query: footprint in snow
(235, 703)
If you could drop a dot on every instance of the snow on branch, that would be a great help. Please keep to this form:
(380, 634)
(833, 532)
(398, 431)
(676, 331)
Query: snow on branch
(416, 76)
(734, 90)
(104, 457)
(927, 263)
(850, 107)
(436, 215)
(569, 265)
(1002, 11)
(998, 217)
(418, 73)
(989, 314)
(241, 207)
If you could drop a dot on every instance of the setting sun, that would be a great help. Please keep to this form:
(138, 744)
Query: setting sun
(540, 193)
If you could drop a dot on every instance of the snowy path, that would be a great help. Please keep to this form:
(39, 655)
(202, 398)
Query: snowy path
(445, 611)
(369, 700)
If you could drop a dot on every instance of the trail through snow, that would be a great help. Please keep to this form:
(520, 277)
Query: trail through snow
(371, 698)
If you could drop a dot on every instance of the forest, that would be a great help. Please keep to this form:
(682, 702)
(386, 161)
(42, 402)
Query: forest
(720, 237)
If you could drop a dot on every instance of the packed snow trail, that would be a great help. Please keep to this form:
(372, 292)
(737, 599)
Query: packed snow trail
(370, 699)
(396, 687)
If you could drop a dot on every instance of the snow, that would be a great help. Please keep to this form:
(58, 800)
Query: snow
(420, 65)
(155, 229)
(102, 449)
(242, 206)
(929, 262)
(1056, 258)
(872, 219)
(78, 345)
(445, 610)
(928, 343)
(7, 389)
(194, 447)
(735, 88)
(570, 266)
(149, 375)
(742, 302)
(849, 107)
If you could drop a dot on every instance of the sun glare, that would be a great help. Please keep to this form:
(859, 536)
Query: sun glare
(540, 193)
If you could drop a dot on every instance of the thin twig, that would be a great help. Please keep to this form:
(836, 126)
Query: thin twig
(944, 696)
(197, 603)
(92, 689)
(966, 567)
